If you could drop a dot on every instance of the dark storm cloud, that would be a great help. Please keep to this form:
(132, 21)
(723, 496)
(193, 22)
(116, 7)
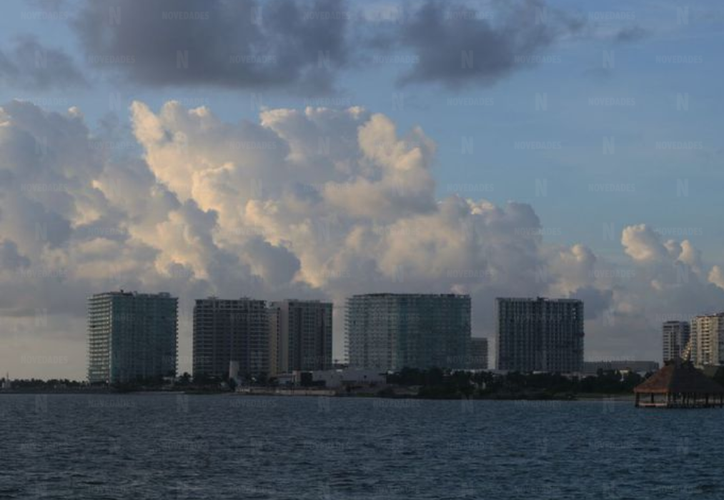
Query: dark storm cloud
(226, 43)
(596, 301)
(631, 34)
(10, 258)
(457, 46)
(27, 64)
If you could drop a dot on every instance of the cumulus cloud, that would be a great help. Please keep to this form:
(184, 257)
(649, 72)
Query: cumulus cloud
(716, 276)
(305, 203)
(643, 244)
(30, 65)
(663, 280)
(222, 43)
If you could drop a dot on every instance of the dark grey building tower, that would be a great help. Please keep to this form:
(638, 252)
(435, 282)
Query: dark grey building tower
(230, 330)
(478, 353)
(539, 334)
(300, 335)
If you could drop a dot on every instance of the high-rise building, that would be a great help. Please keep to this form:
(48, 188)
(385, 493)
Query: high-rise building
(539, 334)
(707, 340)
(387, 331)
(478, 353)
(675, 335)
(230, 330)
(300, 336)
(131, 336)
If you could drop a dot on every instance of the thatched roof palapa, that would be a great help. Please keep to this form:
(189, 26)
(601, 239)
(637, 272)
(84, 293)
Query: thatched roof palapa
(679, 377)
(679, 385)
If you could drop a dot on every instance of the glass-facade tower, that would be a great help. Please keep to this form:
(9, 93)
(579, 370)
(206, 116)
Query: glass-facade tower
(131, 337)
(389, 332)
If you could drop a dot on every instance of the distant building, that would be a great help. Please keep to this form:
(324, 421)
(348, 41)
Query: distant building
(539, 334)
(478, 353)
(675, 336)
(300, 336)
(707, 340)
(592, 367)
(230, 330)
(334, 379)
(389, 331)
(131, 336)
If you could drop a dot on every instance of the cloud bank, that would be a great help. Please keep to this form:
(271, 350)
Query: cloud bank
(303, 46)
(308, 203)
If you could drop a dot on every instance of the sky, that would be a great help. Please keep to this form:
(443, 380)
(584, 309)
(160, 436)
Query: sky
(316, 149)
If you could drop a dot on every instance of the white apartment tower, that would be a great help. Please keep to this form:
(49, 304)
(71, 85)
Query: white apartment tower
(675, 337)
(707, 338)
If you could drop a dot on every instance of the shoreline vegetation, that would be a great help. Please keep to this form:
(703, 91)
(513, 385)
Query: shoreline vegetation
(322, 393)
(432, 384)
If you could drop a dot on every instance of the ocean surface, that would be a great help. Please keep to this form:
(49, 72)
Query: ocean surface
(246, 447)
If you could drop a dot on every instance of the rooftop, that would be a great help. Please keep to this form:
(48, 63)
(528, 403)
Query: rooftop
(679, 377)
(535, 299)
(134, 293)
(386, 294)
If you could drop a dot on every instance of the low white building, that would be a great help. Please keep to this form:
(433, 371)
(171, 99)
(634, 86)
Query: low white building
(707, 339)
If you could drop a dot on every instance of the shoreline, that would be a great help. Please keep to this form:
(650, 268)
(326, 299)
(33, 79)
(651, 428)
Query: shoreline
(328, 393)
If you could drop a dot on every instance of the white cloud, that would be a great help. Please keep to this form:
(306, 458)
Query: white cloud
(303, 203)
(643, 244)
(716, 276)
